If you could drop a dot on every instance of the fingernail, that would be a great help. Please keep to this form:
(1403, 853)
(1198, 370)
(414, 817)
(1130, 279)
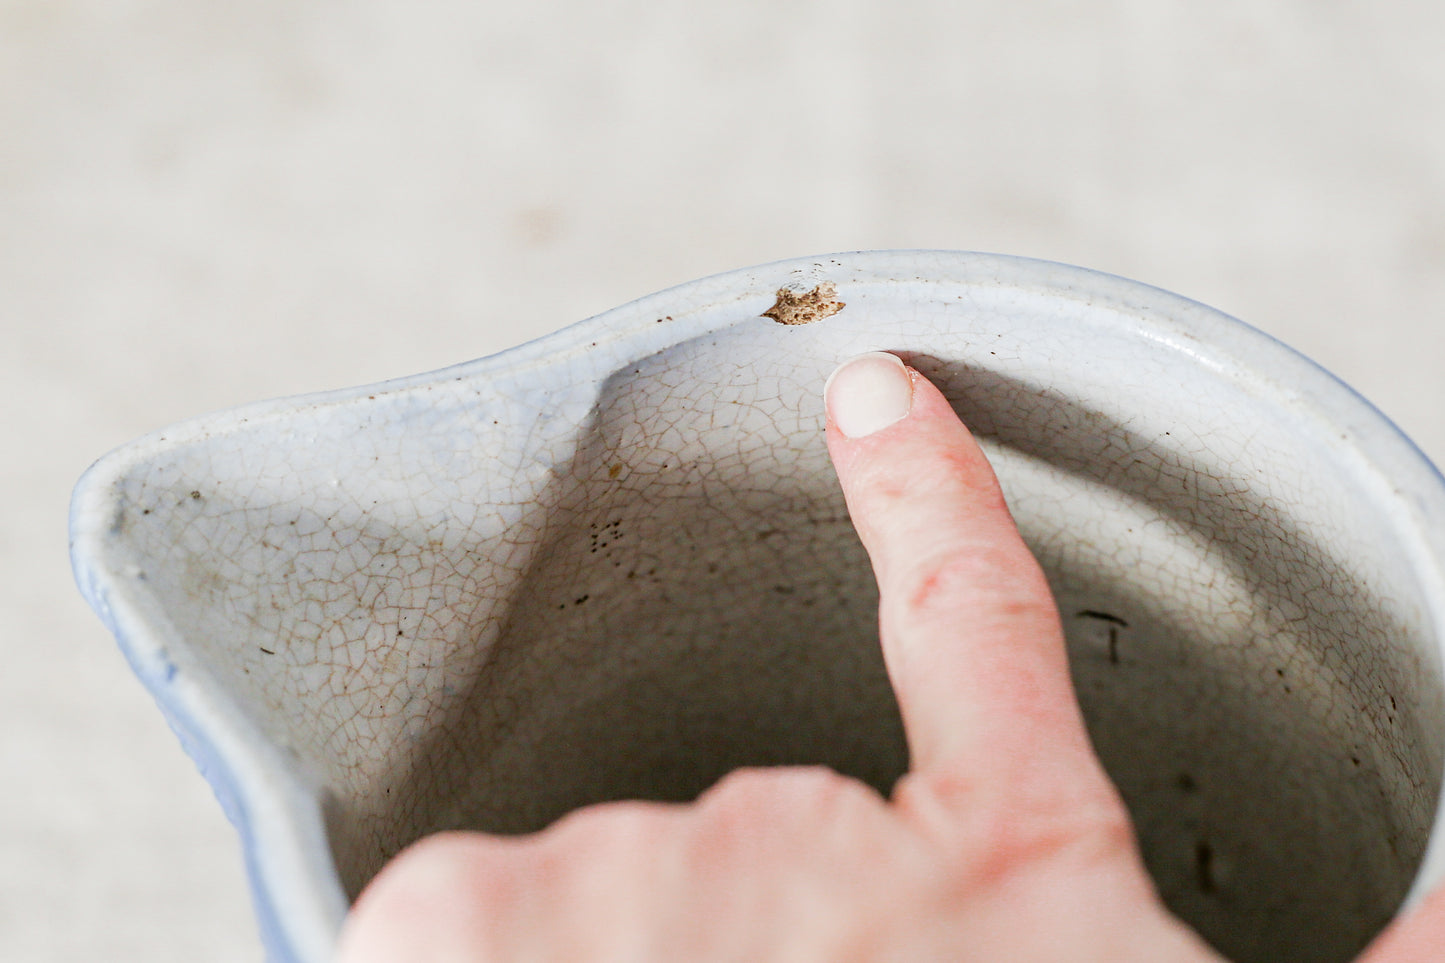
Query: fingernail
(868, 393)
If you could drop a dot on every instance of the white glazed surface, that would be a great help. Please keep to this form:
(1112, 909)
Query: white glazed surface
(414, 590)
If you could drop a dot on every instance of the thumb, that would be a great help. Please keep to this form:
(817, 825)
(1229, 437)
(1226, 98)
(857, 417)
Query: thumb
(1416, 937)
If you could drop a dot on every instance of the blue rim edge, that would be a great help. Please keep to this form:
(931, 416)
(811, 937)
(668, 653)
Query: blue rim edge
(158, 674)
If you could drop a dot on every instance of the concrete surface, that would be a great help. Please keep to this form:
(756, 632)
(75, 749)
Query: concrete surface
(203, 204)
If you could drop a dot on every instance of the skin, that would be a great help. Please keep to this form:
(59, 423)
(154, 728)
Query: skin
(1005, 842)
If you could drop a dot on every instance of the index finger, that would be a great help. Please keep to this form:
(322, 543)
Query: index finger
(970, 632)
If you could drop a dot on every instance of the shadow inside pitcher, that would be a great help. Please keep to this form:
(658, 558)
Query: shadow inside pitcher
(698, 602)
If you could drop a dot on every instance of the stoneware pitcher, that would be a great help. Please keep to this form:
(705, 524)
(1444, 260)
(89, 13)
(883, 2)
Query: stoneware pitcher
(615, 563)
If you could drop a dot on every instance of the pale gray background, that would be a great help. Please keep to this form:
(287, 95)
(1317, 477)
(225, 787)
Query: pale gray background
(207, 203)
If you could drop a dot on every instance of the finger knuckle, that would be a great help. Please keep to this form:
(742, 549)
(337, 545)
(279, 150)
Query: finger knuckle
(1088, 836)
(622, 826)
(1000, 832)
(947, 578)
(767, 792)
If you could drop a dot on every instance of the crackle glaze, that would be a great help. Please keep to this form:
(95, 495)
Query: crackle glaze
(614, 563)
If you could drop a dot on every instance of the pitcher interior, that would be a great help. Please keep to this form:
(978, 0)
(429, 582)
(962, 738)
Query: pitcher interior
(684, 595)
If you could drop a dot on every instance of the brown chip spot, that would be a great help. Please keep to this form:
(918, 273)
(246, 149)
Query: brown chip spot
(807, 307)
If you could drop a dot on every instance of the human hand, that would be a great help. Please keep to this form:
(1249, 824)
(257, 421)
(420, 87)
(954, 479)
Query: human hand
(1004, 842)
